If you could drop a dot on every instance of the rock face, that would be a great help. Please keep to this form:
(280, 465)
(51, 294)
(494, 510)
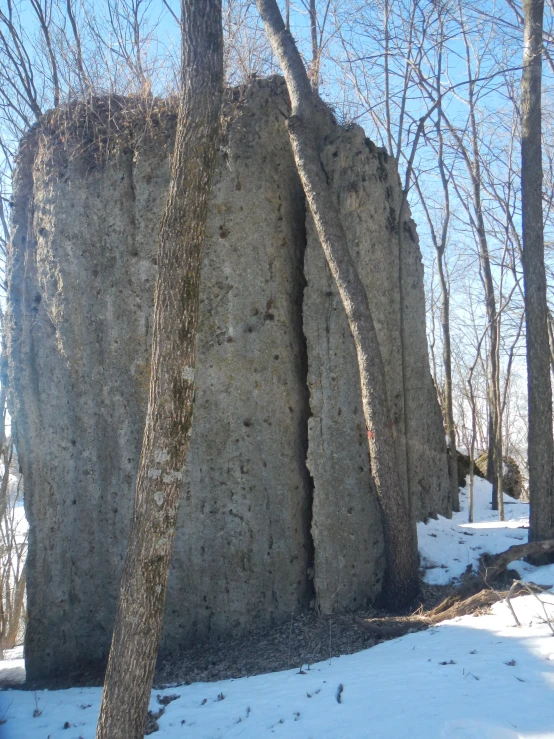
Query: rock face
(464, 463)
(243, 544)
(346, 528)
(272, 360)
(511, 478)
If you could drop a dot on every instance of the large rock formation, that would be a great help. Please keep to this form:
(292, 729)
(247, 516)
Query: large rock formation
(272, 361)
(512, 480)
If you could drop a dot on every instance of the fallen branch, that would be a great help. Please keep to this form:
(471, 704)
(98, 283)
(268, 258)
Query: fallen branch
(509, 602)
(532, 591)
(493, 565)
(470, 587)
(393, 627)
(470, 597)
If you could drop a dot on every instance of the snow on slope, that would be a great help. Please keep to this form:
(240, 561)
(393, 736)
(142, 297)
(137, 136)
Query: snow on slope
(448, 545)
(471, 678)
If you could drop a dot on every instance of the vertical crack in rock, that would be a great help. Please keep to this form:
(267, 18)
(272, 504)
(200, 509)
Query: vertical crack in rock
(246, 503)
(306, 408)
(347, 531)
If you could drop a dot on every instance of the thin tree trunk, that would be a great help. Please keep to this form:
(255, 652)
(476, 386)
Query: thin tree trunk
(473, 430)
(540, 454)
(401, 582)
(474, 167)
(6, 451)
(440, 243)
(490, 301)
(314, 71)
(387, 77)
(448, 394)
(83, 77)
(491, 431)
(471, 496)
(440, 249)
(44, 25)
(169, 417)
(498, 453)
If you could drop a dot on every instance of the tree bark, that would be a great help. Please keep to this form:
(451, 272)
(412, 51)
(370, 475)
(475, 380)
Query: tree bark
(540, 446)
(168, 423)
(401, 580)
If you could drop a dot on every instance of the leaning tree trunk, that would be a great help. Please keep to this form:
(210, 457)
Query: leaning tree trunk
(168, 422)
(401, 581)
(540, 450)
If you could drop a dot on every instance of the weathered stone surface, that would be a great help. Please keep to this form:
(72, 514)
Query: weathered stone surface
(464, 467)
(513, 480)
(80, 299)
(346, 527)
(243, 544)
(81, 276)
(511, 476)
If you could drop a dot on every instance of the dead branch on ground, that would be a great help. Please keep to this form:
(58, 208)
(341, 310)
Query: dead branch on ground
(470, 598)
(491, 566)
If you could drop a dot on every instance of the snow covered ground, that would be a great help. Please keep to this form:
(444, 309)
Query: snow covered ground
(448, 545)
(471, 678)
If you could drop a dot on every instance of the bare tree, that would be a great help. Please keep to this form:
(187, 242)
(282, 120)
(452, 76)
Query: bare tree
(247, 52)
(169, 417)
(540, 443)
(439, 238)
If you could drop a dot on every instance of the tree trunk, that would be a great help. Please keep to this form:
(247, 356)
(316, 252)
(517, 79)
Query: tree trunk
(540, 450)
(498, 453)
(491, 431)
(168, 422)
(493, 565)
(474, 167)
(440, 249)
(314, 66)
(448, 394)
(490, 301)
(401, 581)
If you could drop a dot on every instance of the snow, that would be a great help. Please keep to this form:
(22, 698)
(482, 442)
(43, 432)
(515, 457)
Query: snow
(20, 522)
(449, 545)
(12, 668)
(471, 678)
